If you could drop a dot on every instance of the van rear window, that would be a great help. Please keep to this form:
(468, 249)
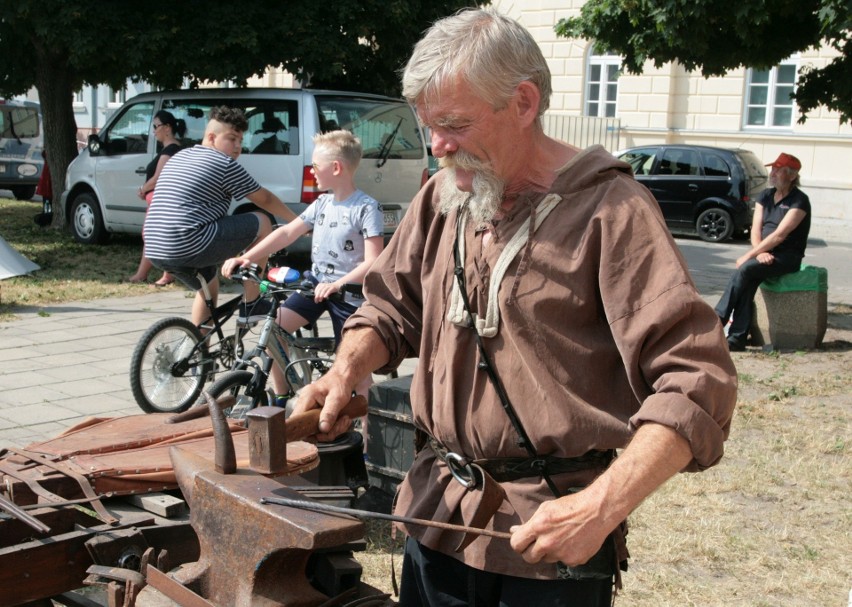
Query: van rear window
(387, 129)
(18, 122)
(273, 123)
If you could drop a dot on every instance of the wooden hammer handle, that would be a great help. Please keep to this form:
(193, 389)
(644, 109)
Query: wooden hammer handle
(304, 425)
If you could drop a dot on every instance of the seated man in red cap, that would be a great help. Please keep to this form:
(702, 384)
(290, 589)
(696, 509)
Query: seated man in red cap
(779, 234)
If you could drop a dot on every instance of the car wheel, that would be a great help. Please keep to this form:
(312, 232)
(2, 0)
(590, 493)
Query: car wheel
(714, 225)
(87, 224)
(23, 192)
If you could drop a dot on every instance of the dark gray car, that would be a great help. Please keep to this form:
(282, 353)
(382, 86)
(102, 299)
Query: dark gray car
(702, 190)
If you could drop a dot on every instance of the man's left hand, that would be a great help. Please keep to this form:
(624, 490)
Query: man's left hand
(566, 530)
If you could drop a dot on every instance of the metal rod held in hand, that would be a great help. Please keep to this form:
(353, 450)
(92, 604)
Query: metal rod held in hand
(320, 507)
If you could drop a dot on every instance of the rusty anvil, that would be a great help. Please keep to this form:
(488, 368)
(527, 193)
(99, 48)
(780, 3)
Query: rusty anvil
(251, 554)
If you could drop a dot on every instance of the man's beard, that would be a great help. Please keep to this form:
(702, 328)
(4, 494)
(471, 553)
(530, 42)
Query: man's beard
(484, 201)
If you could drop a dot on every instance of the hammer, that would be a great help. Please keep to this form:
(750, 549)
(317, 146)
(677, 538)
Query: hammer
(269, 432)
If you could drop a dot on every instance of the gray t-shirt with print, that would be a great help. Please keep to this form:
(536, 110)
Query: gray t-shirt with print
(339, 230)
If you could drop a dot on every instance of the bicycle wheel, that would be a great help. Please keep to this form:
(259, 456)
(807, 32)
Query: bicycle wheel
(301, 370)
(162, 378)
(240, 385)
(305, 365)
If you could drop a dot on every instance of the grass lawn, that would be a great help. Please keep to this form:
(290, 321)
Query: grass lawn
(69, 271)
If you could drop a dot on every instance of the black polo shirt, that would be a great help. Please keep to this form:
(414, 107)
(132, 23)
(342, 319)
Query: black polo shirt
(773, 214)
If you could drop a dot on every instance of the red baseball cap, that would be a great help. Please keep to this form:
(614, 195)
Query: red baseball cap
(786, 160)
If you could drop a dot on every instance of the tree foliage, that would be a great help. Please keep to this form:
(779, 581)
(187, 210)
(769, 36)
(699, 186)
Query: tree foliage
(57, 46)
(716, 36)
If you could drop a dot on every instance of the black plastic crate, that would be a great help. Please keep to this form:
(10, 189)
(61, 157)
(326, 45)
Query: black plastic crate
(390, 433)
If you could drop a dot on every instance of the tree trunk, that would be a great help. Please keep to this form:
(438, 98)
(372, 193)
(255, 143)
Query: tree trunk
(55, 83)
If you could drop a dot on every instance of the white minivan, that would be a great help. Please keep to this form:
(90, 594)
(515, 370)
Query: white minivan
(101, 183)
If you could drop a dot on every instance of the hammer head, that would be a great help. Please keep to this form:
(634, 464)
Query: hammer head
(268, 436)
(267, 440)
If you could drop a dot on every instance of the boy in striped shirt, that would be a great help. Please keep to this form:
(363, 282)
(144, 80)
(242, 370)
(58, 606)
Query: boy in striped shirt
(187, 229)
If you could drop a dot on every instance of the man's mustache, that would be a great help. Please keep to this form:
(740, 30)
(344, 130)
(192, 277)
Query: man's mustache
(462, 160)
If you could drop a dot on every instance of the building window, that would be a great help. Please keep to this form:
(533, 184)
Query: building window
(602, 85)
(769, 100)
(79, 104)
(116, 97)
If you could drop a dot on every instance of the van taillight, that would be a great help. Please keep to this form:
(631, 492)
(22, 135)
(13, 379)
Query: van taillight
(310, 189)
(425, 177)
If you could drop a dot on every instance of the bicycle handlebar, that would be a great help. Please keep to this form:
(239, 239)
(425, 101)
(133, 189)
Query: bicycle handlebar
(250, 272)
(304, 286)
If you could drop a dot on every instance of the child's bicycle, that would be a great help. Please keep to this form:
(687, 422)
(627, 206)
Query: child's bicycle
(175, 358)
(303, 359)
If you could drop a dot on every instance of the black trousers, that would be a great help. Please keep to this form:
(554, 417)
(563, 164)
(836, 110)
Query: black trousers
(742, 287)
(433, 579)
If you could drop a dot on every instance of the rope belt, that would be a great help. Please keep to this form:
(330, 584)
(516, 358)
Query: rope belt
(507, 469)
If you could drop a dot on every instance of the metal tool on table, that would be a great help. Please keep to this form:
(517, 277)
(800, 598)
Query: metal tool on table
(361, 514)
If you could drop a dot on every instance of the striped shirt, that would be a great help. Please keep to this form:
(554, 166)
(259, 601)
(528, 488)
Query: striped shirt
(194, 190)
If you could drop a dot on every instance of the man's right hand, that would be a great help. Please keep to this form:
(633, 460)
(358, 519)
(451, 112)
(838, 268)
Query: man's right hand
(360, 352)
(331, 394)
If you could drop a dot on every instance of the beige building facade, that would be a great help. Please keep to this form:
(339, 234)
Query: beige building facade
(744, 109)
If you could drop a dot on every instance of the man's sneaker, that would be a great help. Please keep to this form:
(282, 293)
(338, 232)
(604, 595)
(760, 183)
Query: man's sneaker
(254, 311)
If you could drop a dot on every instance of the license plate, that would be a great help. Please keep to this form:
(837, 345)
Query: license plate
(390, 218)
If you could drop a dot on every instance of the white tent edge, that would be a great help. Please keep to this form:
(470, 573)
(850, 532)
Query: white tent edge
(13, 263)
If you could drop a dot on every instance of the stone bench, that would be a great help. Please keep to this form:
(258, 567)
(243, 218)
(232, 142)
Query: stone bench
(791, 311)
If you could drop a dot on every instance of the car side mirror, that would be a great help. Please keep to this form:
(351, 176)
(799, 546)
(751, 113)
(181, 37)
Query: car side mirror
(94, 145)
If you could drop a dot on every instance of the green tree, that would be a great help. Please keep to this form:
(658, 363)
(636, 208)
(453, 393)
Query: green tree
(716, 36)
(57, 46)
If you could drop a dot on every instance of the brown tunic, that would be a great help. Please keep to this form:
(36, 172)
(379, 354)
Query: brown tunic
(601, 329)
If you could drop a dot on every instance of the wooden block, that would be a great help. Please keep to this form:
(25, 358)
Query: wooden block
(161, 504)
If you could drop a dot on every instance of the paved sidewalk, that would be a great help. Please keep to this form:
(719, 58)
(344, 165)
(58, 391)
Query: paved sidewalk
(66, 362)
(63, 363)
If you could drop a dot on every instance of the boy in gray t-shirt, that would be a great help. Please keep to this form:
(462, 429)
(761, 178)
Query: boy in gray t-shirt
(348, 234)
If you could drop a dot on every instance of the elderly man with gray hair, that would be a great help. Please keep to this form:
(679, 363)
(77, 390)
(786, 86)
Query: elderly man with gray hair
(555, 324)
(779, 235)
